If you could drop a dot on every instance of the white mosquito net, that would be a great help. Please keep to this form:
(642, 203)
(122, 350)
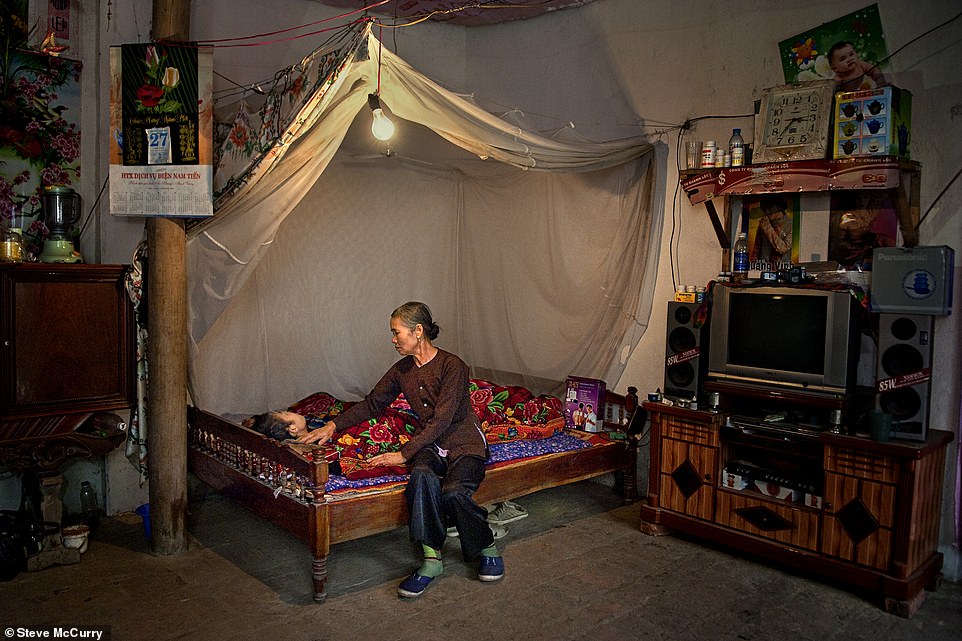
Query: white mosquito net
(536, 254)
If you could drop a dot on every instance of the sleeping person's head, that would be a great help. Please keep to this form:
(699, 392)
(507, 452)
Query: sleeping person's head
(277, 425)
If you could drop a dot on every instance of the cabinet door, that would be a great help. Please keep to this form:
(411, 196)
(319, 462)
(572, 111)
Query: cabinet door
(67, 340)
(776, 520)
(860, 504)
(688, 478)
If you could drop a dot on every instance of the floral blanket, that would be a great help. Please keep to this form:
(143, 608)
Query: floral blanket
(511, 413)
(506, 414)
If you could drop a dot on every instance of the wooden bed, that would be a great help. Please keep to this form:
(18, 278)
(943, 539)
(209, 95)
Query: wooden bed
(288, 488)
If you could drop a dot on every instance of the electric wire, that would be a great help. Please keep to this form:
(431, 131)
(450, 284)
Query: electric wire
(417, 19)
(937, 198)
(93, 208)
(214, 41)
(666, 127)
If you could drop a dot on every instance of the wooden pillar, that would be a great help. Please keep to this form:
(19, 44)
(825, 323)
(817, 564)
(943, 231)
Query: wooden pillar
(167, 348)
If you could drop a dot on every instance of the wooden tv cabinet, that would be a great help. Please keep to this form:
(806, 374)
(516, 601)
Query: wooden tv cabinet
(863, 513)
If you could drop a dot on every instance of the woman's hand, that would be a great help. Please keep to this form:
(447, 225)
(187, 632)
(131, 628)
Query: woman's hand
(387, 459)
(320, 436)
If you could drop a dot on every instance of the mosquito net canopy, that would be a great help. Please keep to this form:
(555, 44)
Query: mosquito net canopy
(537, 254)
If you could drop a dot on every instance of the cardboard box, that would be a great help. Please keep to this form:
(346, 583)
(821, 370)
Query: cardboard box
(873, 122)
(776, 491)
(813, 500)
(584, 404)
(734, 481)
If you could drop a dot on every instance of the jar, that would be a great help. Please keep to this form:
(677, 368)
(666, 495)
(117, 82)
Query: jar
(708, 154)
(11, 246)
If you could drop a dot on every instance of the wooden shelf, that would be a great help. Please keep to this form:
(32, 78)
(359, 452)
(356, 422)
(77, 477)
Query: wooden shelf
(67, 351)
(876, 172)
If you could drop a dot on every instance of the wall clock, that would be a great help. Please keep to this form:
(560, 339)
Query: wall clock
(796, 121)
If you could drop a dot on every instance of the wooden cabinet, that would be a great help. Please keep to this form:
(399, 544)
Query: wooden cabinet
(66, 351)
(863, 513)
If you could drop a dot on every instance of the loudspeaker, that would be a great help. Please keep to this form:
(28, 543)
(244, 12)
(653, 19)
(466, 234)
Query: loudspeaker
(686, 351)
(904, 371)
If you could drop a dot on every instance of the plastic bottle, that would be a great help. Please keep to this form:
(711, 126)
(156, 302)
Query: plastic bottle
(736, 147)
(740, 264)
(708, 154)
(89, 506)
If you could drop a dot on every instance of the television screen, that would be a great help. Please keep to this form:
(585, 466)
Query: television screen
(777, 332)
(784, 336)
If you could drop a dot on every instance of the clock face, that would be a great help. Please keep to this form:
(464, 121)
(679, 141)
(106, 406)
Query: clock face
(793, 118)
(796, 119)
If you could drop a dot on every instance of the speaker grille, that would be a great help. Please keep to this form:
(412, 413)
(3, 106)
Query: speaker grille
(903, 372)
(686, 351)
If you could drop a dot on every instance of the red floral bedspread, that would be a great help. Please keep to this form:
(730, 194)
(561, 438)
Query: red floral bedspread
(506, 414)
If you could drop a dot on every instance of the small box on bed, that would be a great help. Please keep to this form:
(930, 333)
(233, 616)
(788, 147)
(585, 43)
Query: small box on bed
(584, 404)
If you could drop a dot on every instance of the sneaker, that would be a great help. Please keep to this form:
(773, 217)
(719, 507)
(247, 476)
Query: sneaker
(414, 585)
(492, 568)
(499, 531)
(507, 512)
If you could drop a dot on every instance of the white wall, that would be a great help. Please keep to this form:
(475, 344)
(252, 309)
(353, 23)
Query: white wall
(615, 67)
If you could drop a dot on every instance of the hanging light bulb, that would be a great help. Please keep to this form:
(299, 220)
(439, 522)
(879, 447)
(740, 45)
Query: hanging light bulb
(382, 127)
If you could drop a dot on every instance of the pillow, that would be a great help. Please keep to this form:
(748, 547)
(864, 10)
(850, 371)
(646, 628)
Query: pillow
(319, 408)
(511, 412)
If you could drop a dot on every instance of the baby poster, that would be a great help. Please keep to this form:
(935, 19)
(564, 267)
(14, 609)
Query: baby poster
(850, 49)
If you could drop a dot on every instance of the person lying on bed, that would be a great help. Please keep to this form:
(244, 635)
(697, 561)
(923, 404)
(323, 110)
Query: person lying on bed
(280, 425)
(446, 453)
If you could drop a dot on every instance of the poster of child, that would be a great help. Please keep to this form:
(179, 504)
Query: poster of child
(773, 231)
(851, 72)
(851, 49)
(860, 222)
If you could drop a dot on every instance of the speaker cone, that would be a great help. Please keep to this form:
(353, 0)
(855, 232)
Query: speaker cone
(902, 359)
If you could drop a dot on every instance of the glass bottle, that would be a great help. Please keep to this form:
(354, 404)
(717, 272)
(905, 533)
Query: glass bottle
(89, 505)
(11, 246)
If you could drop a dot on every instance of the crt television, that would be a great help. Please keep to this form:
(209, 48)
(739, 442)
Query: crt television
(789, 337)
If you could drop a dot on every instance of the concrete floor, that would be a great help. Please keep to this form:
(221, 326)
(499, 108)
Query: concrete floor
(577, 568)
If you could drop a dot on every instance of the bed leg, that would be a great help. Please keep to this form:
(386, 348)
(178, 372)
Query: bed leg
(319, 576)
